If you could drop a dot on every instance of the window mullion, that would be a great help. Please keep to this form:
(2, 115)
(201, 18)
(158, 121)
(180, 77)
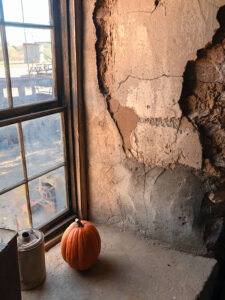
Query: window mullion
(25, 25)
(53, 47)
(25, 173)
(59, 54)
(65, 157)
(64, 164)
(5, 57)
(10, 188)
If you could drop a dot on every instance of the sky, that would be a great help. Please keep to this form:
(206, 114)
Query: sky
(28, 11)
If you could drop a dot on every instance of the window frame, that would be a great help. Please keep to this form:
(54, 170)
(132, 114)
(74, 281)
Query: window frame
(69, 102)
(20, 111)
(76, 27)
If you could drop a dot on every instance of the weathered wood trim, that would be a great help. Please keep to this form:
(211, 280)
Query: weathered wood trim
(26, 179)
(59, 227)
(58, 48)
(68, 117)
(76, 39)
(34, 114)
(26, 25)
(56, 221)
(5, 57)
(53, 43)
(27, 195)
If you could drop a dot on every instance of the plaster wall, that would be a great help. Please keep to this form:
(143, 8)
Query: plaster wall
(144, 154)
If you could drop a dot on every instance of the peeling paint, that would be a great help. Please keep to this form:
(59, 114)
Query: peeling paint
(126, 119)
(104, 50)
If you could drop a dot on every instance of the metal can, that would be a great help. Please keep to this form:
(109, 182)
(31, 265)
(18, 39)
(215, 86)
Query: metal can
(31, 258)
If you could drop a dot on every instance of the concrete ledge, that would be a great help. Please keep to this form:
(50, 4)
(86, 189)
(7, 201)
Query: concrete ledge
(210, 285)
(129, 268)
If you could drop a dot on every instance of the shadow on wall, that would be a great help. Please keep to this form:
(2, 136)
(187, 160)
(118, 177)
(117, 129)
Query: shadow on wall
(203, 103)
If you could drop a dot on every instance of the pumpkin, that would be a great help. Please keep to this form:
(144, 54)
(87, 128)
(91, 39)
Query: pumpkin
(81, 245)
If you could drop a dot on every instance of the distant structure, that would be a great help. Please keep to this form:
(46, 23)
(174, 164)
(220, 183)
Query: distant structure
(31, 52)
(34, 52)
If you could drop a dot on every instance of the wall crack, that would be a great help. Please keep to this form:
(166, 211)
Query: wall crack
(146, 79)
(124, 118)
(201, 11)
(158, 3)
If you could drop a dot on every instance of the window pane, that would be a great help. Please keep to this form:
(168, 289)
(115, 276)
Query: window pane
(3, 89)
(43, 143)
(13, 209)
(47, 196)
(28, 11)
(30, 60)
(11, 171)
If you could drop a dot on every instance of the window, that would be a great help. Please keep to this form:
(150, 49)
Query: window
(36, 148)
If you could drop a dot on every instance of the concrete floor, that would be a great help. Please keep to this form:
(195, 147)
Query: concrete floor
(129, 268)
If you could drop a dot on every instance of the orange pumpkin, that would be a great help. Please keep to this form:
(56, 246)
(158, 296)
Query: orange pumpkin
(81, 245)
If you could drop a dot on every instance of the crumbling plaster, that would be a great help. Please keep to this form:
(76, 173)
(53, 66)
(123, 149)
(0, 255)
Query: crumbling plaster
(148, 76)
(135, 55)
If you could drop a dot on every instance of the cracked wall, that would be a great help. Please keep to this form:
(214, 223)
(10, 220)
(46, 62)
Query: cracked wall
(147, 78)
(136, 53)
(203, 103)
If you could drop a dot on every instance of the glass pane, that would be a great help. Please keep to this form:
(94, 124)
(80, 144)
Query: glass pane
(28, 11)
(30, 60)
(43, 143)
(3, 89)
(11, 171)
(47, 196)
(13, 209)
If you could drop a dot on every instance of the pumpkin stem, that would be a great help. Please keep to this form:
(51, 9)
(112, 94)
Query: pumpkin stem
(79, 224)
